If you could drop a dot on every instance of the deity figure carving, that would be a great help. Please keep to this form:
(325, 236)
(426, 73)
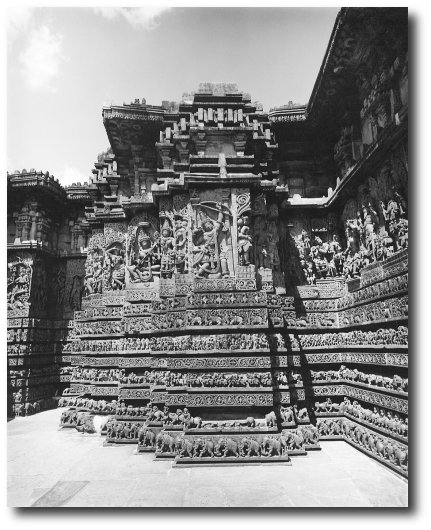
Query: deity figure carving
(209, 253)
(396, 223)
(75, 293)
(260, 243)
(245, 241)
(181, 242)
(353, 236)
(94, 272)
(272, 242)
(144, 255)
(39, 288)
(114, 267)
(18, 285)
(370, 224)
(61, 285)
(167, 247)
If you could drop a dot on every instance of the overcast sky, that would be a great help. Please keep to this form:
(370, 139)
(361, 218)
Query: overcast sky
(64, 64)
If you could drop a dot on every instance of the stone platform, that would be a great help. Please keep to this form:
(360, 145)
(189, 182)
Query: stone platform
(49, 468)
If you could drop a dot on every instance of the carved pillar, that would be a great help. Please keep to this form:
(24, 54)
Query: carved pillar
(54, 235)
(43, 229)
(34, 217)
(26, 226)
(18, 229)
(80, 240)
(73, 240)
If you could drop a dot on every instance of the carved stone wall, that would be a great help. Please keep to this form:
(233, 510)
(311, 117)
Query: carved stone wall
(188, 283)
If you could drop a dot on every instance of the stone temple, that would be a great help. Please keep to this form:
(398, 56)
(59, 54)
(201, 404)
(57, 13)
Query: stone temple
(231, 286)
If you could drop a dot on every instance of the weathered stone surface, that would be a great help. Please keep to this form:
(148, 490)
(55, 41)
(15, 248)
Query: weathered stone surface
(243, 274)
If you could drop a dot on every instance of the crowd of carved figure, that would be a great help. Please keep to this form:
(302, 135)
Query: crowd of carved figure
(384, 419)
(105, 268)
(319, 259)
(395, 382)
(371, 236)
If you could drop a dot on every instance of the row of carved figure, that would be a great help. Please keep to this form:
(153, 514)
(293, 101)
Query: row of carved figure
(29, 408)
(21, 349)
(98, 328)
(288, 414)
(381, 310)
(245, 342)
(379, 289)
(174, 320)
(394, 308)
(116, 430)
(391, 383)
(383, 336)
(383, 448)
(384, 288)
(52, 369)
(93, 374)
(201, 249)
(240, 342)
(385, 419)
(33, 334)
(223, 446)
(89, 404)
(190, 379)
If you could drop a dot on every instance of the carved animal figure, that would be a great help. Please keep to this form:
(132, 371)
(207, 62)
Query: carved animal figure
(250, 422)
(400, 458)
(271, 447)
(250, 447)
(287, 414)
(146, 437)
(294, 440)
(156, 415)
(184, 447)
(335, 427)
(165, 443)
(226, 447)
(194, 422)
(323, 428)
(310, 434)
(203, 447)
(271, 419)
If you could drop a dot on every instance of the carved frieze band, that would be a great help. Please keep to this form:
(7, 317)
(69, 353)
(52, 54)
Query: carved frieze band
(392, 286)
(221, 400)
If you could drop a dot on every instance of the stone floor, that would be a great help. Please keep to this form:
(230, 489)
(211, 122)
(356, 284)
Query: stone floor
(48, 467)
